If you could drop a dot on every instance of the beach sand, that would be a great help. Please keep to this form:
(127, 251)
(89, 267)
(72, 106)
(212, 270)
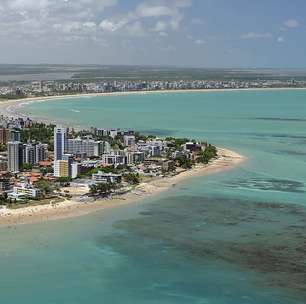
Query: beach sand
(72, 208)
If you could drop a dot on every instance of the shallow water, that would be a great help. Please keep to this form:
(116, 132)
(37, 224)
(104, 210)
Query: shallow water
(234, 237)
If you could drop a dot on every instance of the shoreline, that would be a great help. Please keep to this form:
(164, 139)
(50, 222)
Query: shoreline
(11, 108)
(226, 160)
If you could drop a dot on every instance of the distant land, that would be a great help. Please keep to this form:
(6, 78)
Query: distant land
(44, 72)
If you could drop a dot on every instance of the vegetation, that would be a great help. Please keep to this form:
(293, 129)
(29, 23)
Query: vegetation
(64, 181)
(102, 189)
(44, 186)
(3, 148)
(208, 154)
(3, 199)
(26, 167)
(39, 132)
(176, 142)
(46, 170)
(184, 162)
(132, 178)
(143, 137)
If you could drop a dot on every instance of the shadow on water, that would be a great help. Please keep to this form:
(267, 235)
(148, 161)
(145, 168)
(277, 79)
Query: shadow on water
(266, 238)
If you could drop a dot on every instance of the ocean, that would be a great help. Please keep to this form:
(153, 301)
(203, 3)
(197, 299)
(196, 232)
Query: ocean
(233, 237)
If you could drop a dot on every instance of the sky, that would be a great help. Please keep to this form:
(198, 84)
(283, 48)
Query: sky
(195, 33)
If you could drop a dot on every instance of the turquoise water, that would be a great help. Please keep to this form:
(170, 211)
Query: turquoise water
(234, 237)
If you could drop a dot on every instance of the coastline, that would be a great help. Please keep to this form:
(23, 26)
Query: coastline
(226, 160)
(11, 108)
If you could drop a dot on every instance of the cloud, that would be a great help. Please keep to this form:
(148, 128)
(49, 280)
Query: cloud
(160, 26)
(50, 19)
(280, 39)
(168, 12)
(253, 35)
(146, 10)
(292, 23)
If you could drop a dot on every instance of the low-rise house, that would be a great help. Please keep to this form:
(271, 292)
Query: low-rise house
(102, 177)
(129, 140)
(113, 159)
(192, 147)
(24, 191)
(32, 177)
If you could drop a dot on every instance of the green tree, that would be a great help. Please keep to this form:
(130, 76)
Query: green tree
(208, 154)
(44, 186)
(26, 167)
(101, 189)
(132, 178)
(184, 162)
(65, 180)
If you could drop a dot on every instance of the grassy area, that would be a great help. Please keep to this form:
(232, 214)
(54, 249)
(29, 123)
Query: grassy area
(31, 203)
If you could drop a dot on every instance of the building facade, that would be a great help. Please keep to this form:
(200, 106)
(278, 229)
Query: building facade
(60, 142)
(14, 154)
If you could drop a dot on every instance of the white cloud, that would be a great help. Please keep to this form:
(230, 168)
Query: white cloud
(146, 10)
(139, 20)
(28, 4)
(108, 26)
(280, 39)
(253, 35)
(160, 26)
(292, 23)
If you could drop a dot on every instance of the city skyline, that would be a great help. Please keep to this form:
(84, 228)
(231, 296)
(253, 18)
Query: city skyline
(143, 32)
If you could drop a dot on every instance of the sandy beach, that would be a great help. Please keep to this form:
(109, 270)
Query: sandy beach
(72, 208)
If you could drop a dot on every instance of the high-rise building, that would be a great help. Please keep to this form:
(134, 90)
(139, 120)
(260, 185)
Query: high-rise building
(87, 147)
(14, 154)
(5, 136)
(69, 159)
(78, 146)
(28, 154)
(75, 170)
(106, 147)
(15, 135)
(61, 168)
(60, 142)
(40, 152)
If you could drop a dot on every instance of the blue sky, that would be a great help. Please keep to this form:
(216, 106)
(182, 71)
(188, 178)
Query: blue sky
(204, 33)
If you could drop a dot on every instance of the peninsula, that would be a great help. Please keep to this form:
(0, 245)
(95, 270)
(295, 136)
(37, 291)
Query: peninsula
(52, 172)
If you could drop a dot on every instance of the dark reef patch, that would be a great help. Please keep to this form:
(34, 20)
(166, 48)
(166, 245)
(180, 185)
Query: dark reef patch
(290, 152)
(158, 132)
(281, 119)
(268, 184)
(268, 238)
